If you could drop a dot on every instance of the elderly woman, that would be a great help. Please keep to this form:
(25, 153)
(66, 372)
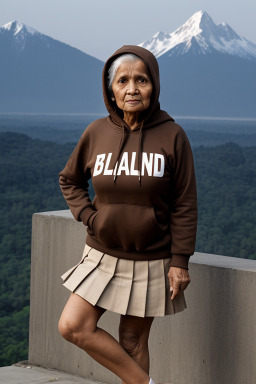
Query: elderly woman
(141, 225)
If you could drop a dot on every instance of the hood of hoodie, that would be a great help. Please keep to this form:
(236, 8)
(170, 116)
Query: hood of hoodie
(152, 116)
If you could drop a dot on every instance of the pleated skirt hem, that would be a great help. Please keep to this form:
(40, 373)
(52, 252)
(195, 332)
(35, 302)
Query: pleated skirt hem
(127, 287)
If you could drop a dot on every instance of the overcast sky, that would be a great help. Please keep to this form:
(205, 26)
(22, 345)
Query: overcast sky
(99, 27)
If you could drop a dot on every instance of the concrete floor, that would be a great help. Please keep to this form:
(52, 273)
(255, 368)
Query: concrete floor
(29, 374)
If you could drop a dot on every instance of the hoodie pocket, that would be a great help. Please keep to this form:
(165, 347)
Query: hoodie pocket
(126, 226)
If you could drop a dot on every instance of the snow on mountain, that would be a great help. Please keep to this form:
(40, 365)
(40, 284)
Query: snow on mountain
(202, 33)
(19, 33)
(18, 28)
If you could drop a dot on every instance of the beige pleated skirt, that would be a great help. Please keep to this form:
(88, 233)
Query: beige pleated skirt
(128, 287)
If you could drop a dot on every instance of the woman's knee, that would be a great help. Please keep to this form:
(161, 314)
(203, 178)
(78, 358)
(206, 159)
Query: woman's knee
(78, 321)
(130, 340)
(68, 328)
(65, 328)
(80, 335)
(134, 333)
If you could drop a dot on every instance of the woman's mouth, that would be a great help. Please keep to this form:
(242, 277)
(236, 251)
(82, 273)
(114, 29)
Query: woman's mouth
(133, 101)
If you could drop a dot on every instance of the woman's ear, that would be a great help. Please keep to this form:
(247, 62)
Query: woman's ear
(112, 95)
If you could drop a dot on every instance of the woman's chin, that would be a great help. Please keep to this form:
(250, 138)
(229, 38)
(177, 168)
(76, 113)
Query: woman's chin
(134, 109)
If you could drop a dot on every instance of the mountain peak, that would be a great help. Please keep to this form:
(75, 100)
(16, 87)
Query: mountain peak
(16, 28)
(200, 22)
(200, 35)
(200, 18)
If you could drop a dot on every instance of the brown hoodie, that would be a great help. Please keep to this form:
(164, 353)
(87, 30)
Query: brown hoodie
(145, 204)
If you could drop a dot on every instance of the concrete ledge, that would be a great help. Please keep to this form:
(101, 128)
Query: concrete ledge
(29, 374)
(212, 341)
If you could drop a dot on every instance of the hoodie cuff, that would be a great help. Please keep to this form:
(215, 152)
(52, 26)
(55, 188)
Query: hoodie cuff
(180, 261)
(86, 216)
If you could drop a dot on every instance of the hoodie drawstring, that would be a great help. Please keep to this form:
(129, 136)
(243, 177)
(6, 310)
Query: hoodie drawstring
(119, 151)
(139, 152)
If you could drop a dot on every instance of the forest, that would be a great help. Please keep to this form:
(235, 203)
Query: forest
(226, 182)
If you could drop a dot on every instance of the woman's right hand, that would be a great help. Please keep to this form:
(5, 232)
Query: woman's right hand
(179, 280)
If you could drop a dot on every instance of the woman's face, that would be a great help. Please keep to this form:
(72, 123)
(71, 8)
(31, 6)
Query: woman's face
(132, 87)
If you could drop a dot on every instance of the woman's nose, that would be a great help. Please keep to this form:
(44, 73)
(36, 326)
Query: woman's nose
(132, 88)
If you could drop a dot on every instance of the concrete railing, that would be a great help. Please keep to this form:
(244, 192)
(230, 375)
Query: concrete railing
(213, 341)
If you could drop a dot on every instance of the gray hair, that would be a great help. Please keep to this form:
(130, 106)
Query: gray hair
(115, 65)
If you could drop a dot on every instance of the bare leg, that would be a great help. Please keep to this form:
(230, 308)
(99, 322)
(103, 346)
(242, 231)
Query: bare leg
(78, 325)
(133, 336)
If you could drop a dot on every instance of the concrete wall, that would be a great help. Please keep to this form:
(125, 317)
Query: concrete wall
(213, 341)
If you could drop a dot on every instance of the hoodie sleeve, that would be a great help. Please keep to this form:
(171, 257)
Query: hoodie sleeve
(183, 217)
(73, 182)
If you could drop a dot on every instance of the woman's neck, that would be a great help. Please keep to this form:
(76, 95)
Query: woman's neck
(132, 119)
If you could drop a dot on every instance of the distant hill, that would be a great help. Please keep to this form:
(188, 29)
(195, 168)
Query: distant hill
(69, 128)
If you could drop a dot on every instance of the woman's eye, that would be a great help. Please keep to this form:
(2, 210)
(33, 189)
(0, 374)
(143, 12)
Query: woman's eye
(142, 80)
(121, 80)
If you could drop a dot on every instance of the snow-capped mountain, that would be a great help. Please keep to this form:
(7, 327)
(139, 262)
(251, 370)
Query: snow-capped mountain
(41, 74)
(200, 35)
(205, 69)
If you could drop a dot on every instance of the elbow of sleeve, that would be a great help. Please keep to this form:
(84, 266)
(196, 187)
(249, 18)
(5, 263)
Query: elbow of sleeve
(87, 215)
(62, 180)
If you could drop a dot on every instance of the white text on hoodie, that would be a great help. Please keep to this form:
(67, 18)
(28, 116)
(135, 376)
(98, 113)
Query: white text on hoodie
(152, 163)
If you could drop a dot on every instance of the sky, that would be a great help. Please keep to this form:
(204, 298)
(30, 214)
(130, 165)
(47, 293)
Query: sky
(99, 27)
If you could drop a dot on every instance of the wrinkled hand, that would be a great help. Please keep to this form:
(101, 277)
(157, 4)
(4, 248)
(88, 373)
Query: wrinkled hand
(179, 280)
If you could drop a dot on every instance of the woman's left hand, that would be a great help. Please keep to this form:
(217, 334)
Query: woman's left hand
(179, 280)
